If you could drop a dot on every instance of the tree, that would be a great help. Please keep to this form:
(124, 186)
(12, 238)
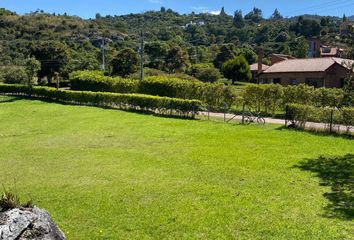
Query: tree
(237, 69)
(53, 56)
(205, 72)
(249, 54)
(32, 66)
(226, 52)
(238, 20)
(222, 12)
(302, 48)
(285, 49)
(255, 15)
(306, 27)
(348, 99)
(276, 15)
(176, 60)
(345, 19)
(125, 63)
(157, 52)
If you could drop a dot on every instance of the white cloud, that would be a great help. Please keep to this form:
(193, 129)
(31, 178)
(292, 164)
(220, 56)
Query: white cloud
(203, 9)
(217, 12)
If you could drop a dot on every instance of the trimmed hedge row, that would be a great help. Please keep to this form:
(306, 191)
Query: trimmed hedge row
(272, 97)
(216, 96)
(162, 105)
(95, 81)
(300, 114)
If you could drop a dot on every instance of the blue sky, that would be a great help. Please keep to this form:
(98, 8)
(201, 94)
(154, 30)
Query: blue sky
(88, 8)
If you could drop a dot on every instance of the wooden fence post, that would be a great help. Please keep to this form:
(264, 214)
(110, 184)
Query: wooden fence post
(243, 113)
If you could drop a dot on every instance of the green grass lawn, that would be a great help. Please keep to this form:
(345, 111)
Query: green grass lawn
(108, 174)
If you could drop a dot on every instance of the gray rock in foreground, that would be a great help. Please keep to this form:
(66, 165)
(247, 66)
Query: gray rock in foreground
(28, 224)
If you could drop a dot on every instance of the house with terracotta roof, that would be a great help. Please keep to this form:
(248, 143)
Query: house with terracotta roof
(327, 51)
(318, 72)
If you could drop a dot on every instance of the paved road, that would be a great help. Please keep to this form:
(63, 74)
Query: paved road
(309, 125)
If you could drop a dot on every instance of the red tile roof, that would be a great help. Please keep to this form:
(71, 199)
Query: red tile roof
(307, 65)
(254, 67)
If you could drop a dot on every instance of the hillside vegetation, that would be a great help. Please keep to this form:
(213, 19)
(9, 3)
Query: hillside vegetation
(173, 42)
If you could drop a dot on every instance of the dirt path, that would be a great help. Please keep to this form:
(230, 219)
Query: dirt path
(309, 125)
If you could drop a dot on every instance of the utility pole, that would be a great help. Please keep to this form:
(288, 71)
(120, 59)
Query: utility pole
(141, 56)
(103, 57)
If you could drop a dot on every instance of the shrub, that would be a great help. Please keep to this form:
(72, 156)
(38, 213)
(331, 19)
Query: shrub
(155, 85)
(117, 100)
(204, 72)
(13, 75)
(300, 114)
(209, 74)
(301, 94)
(271, 97)
(347, 117)
(329, 97)
(95, 81)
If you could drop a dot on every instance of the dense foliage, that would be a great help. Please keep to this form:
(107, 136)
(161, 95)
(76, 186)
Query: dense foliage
(173, 42)
(270, 98)
(162, 105)
(300, 114)
(214, 95)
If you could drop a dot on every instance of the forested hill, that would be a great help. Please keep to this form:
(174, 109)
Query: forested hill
(198, 37)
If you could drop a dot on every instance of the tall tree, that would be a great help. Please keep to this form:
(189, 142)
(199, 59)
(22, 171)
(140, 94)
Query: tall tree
(302, 48)
(32, 66)
(276, 15)
(238, 19)
(226, 52)
(237, 69)
(53, 56)
(157, 52)
(255, 15)
(125, 63)
(176, 60)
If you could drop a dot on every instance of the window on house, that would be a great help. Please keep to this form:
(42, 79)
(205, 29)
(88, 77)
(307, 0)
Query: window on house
(294, 82)
(277, 80)
(264, 81)
(316, 82)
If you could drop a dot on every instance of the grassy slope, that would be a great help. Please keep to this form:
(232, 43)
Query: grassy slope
(106, 174)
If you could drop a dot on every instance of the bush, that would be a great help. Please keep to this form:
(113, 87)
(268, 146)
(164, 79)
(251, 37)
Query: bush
(95, 81)
(149, 72)
(210, 74)
(267, 97)
(13, 75)
(116, 100)
(300, 114)
(205, 72)
(347, 117)
(272, 97)
(155, 85)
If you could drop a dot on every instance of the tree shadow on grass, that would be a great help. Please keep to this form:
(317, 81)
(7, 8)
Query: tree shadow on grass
(8, 99)
(318, 133)
(338, 173)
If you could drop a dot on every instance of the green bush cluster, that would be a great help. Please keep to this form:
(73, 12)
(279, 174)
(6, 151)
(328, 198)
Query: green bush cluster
(96, 81)
(13, 75)
(300, 114)
(163, 105)
(213, 95)
(272, 97)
